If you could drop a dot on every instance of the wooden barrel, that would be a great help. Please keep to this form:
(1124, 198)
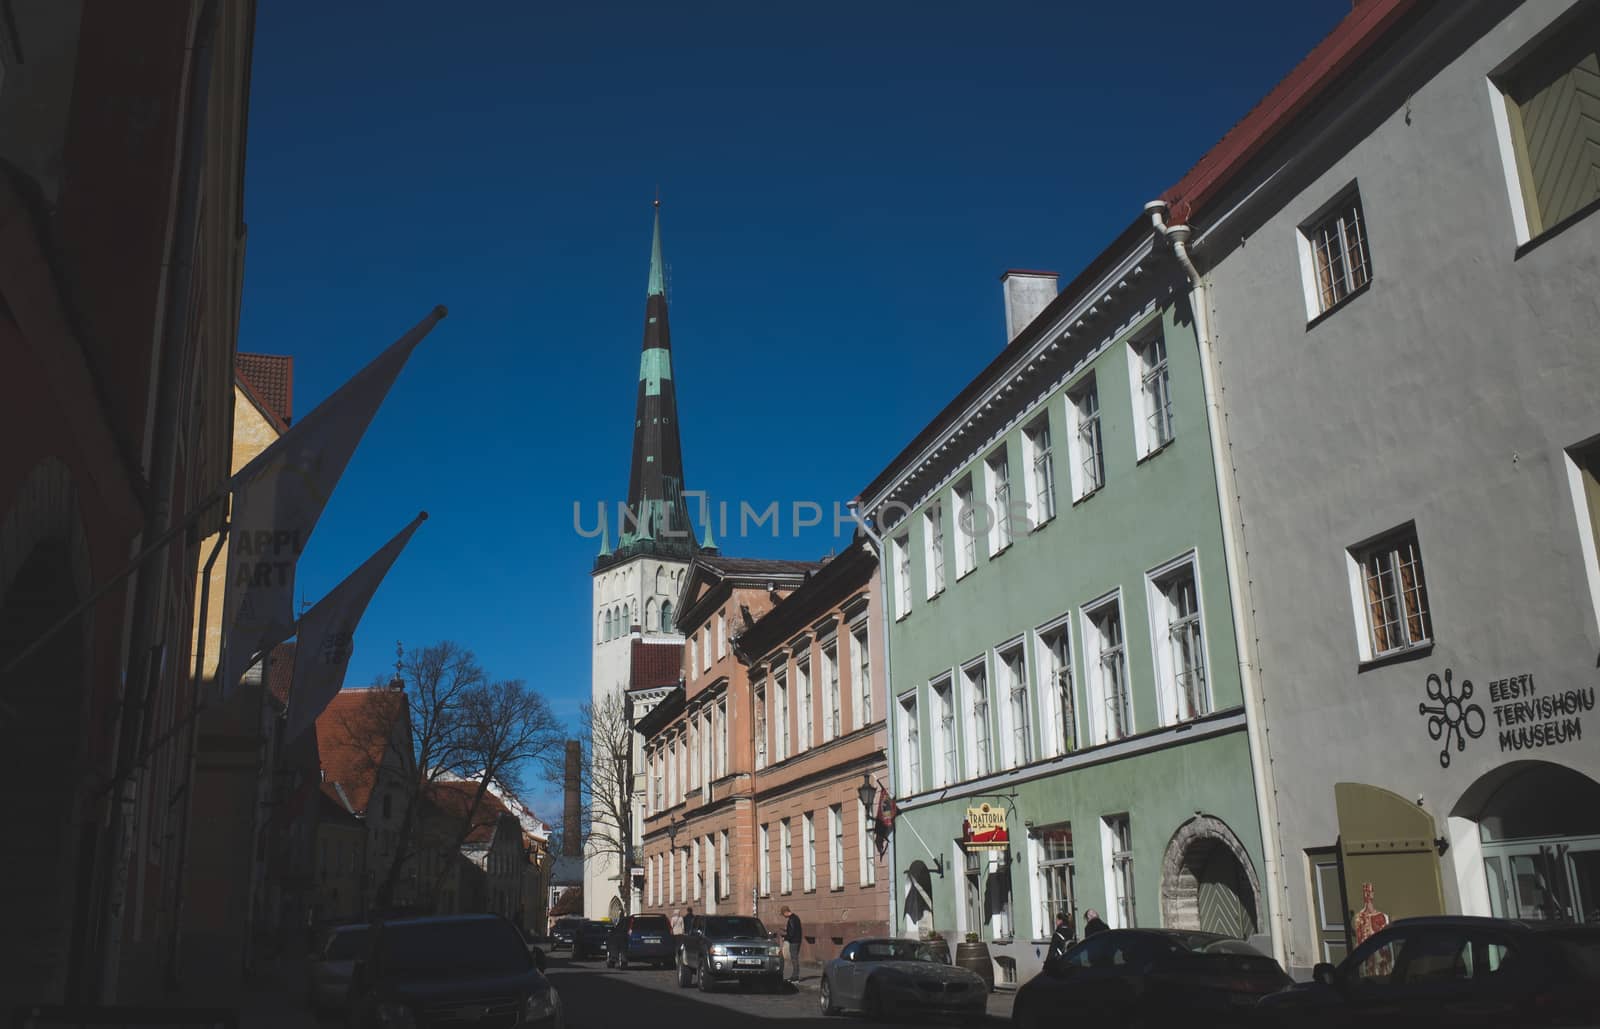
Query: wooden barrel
(975, 957)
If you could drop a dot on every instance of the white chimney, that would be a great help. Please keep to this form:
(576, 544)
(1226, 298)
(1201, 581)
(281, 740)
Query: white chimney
(1027, 293)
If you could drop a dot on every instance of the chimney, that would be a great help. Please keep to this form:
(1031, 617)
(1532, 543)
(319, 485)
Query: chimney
(572, 821)
(1027, 293)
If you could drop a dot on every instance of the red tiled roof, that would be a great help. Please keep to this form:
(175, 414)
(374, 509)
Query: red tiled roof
(352, 735)
(655, 664)
(1368, 22)
(271, 376)
(452, 798)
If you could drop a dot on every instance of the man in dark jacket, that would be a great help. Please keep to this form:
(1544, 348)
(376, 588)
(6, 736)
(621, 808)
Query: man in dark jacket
(1064, 937)
(791, 938)
(1092, 924)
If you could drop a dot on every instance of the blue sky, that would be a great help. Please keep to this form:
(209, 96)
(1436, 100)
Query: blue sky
(842, 185)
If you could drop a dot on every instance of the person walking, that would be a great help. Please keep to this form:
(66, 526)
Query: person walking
(1092, 924)
(791, 937)
(677, 924)
(1065, 935)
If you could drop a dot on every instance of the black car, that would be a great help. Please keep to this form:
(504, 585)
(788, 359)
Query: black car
(640, 938)
(1150, 977)
(564, 932)
(1456, 971)
(450, 971)
(590, 939)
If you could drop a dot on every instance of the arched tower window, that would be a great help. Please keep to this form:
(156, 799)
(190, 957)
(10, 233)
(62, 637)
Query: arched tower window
(650, 623)
(600, 627)
(606, 636)
(666, 616)
(661, 580)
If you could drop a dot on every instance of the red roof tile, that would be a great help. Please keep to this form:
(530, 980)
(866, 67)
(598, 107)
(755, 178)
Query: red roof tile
(352, 735)
(271, 376)
(452, 798)
(655, 664)
(1368, 22)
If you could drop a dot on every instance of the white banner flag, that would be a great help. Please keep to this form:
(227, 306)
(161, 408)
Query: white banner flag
(326, 636)
(277, 499)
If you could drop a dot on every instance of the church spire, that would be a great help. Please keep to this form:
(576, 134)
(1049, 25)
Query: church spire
(657, 287)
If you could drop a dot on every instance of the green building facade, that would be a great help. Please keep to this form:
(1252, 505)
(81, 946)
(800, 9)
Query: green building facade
(1075, 669)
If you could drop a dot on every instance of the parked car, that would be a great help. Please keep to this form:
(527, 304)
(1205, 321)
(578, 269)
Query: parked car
(332, 961)
(537, 946)
(1456, 971)
(640, 938)
(884, 978)
(590, 939)
(447, 971)
(564, 932)
(728, 948)
(1150, 977)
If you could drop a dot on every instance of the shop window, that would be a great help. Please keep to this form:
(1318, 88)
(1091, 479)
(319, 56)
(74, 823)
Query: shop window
(1053, 877)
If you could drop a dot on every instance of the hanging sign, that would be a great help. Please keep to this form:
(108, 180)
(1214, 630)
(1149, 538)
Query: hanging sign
(985, 829)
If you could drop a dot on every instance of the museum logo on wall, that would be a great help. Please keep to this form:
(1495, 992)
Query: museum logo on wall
(1525, 716)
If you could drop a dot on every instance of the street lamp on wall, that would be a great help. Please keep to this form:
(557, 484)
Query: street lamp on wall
(672, 834)
(866, 791)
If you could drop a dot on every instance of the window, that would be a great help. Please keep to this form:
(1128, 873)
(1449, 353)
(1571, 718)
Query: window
(1327, 911)
(705, 650)
(1154, 402)
(802, 678)
(999, 502)
(708, 750)
(1393, 594)
(1019, 726)
(722, 737)
(836, 847)
(972, 889)
(723, 887)
(766, 861)
(861, 658)
(975, 686)
(933, 547)
(868, 875)
(672, 771)
(945, 738)
(910, 746)
(1108, 669)
(1041, 481)
(808, 827)
(694, 752)
(832, 724)
(1060, 735)
(1583, 475)
(785, 862)
(683, 873)
(1333, 255)
(1180, 656)
(722, 635)
(666, 616)
(967, 529)
(780, 743)
(1118, 841)
(761, 727)
(1088, 456)
(902, 574)
(1551, 126)
(694, 654)
(694, 862)
(1053, 878)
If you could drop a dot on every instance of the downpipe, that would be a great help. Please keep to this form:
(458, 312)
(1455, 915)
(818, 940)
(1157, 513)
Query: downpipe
(1177, 236)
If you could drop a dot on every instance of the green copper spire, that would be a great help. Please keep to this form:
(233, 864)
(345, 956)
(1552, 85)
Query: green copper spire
(657, 287)
(708, 541)
(605, 539)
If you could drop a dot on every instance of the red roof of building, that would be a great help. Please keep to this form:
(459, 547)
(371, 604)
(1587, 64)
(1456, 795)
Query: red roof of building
(452, 798)
(655, 664)
(280, 672)
(271, 378)
(1368, 22)
(352, 735)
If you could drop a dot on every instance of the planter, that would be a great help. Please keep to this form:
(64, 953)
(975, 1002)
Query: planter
(975, 957)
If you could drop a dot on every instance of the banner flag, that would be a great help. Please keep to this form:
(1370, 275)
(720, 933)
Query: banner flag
(277, 499)
(326, 636)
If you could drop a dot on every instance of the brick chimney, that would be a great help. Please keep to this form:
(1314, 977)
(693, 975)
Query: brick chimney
(1027, 293)
(572, 820)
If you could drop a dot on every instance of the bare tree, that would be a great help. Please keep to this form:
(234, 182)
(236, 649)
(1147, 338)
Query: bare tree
(607, 784)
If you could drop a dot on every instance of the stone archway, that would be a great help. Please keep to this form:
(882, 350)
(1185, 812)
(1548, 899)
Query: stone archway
(1208, 881)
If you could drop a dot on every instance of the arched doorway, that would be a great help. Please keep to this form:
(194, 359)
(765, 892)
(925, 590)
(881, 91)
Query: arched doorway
(1539, 831)
(1208, 881)
(918, 900)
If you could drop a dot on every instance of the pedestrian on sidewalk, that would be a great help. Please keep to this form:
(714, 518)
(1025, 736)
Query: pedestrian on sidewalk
(1065, 935)
(1092, 924)
(792, 935)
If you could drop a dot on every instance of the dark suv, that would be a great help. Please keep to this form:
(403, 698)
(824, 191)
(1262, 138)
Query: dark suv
(728, 948)
(640, 938)
(450, 971)
(564, 932)
(591, 939)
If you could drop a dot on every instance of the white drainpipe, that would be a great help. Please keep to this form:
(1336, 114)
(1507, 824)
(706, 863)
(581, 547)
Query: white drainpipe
(1233, 553)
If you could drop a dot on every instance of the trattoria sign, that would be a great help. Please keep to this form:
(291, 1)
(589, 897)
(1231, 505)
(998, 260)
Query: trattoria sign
(985, 828)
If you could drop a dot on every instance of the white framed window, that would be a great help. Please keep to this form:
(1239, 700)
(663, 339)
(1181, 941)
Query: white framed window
(722, 635)
(1583, 478)
(694, 752)
(910, 746)
(1057, 696)
(833, 723)
(705, 649)
(975, 710)
(722, 737)
(861, 661)
(707, 750)
(761, 726)
(683, 874)
(836, 848)
(1039, 463)
(785, 860)
(1334, 260)
(999, 469)
(1391, 594)
(1054, 890)
(1147, 357)
(802, 681)
(668, 859)
(867, 874)
(944, 741)
(672, 770)
(900, 549)
(1085, 445)
(808, 826)
(1106, 661)
(766, 861)
(780, 734)
(969, 525)
(724, 889)
(712, 889)
(1116, 840)
(694, 863)
(933, 546)
(694, 655)
(1184, 689)
(1012, 669)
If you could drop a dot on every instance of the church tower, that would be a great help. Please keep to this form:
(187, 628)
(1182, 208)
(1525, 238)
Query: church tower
(635, 586)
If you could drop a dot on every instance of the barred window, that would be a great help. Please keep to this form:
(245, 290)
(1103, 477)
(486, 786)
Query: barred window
(1156, 391)
(1395, 595)
(1339, 260)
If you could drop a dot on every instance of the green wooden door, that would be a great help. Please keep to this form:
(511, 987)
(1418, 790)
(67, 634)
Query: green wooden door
(1385, 843)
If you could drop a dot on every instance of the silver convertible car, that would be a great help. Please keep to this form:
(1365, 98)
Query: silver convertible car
(887, 976)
